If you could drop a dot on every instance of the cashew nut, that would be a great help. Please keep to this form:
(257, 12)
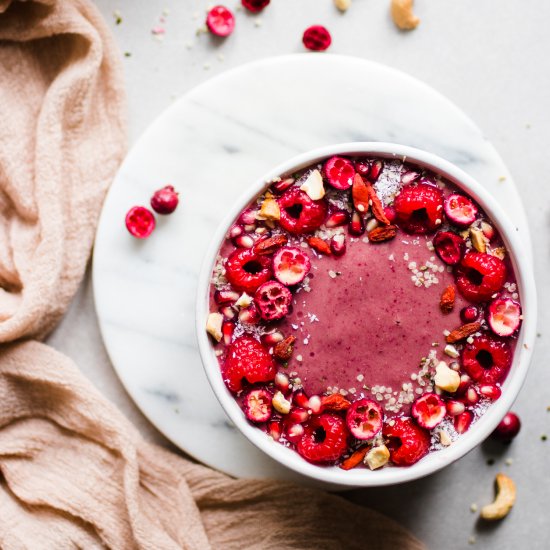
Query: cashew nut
(269, 209)
(478, 239)
(313, 186)
(402, 14)
(505, 499)
(214, 326)
(280, 404)
(342, 5)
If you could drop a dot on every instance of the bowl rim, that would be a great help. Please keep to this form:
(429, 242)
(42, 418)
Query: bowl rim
(433, 462)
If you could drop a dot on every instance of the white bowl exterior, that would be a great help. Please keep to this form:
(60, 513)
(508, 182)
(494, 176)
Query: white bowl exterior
(483, 427)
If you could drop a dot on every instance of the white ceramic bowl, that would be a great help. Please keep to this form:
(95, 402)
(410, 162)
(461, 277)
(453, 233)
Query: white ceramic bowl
(511, 387)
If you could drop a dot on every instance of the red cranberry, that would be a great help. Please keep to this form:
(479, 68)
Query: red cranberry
(220, 21)
(508, 428)
(165, 200)
(140, 222)
(316, 38)
(255, 6)
(469, 314)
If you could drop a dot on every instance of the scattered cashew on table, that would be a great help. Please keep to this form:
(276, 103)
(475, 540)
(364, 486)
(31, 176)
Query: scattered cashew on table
(504, 500)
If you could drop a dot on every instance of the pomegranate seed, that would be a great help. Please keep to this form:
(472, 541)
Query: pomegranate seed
(249, 315)
(228, 312)
(227, 331)
(250, 228)
(165, 200)
(363, 167)
(272, 338)
(390, 213)
(315, 404)
(248, 217)
(490, 391)
(140, 222)
(375, 170)
(300, 399)
(220, 21)
(356, 225)
(340, 217)
(508, 428)
(471, 396)
(294, 432)
(222, 297)
(465, 383)
(462, 421)
(469, 314)
(338, 244)
(236, 231)
(488, 230)
(409, 176)
(283, 185)
(262, 231)
(298, 415)
(275, 429)
(282, 382)
(316, 38)
(454, 408)
(244, 241)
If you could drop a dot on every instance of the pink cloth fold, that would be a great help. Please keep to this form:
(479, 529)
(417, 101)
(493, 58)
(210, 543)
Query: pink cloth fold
(74, 473)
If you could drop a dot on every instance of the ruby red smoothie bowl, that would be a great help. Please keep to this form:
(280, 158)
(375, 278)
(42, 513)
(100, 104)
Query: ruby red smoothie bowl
(363, 316)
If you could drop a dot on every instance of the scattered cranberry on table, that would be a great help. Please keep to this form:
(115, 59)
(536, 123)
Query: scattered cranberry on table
(255, 6)
(317, 38)
(165, 200)
(140, 222)
(508, 428)
(220, 21)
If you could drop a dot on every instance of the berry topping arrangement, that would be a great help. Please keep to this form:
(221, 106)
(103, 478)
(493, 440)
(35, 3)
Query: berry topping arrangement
(364, 312)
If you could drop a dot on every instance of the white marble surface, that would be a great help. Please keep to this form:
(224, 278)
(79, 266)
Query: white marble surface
(502, 83)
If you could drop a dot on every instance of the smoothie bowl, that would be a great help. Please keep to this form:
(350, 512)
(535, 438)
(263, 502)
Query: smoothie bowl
(366, 314)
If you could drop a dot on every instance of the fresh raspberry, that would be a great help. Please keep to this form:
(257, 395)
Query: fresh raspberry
(316, 38)
(460, 210)
(487, 359)
(364, 418)
(220, 21)
(479, 276)
(325, 439)
(248, 360)
(407, 443)
(165, 201)
(339, 172)
(428, 410)
(449, 247)
(419, 208)
(299, 213)
(273, 300)
(255, 6)
(140, 222)
(246, 270)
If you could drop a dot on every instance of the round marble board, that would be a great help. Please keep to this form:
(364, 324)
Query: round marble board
(211, 144)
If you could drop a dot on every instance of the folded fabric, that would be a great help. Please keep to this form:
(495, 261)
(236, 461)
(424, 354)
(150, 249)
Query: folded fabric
(77, 472)
(74, 473)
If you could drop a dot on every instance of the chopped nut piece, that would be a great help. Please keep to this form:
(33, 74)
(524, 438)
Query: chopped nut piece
(270, 209)
(244, 301)
(499, 252)
(342, 5)
(214, 326)
(505, 499)
(313, 186)
(451, 351)
(377, 457)
(478, 239)
(446, 378)
(280, 404)
(444, 438)
(403, 16)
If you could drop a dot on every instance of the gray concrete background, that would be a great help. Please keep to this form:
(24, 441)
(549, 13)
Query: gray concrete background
(492, 59)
